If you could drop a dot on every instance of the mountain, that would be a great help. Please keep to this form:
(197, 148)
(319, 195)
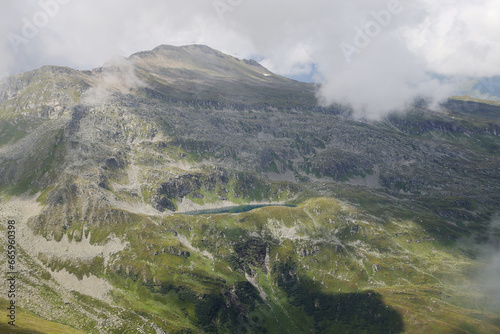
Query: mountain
(316, 222)
(486, 88)
(199, 73)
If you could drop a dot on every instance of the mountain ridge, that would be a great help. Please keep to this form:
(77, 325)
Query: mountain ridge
(388, 223)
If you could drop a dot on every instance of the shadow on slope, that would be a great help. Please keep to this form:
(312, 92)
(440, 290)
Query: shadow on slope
(362, 312)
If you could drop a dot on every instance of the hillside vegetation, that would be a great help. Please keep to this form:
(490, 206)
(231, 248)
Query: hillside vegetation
(347, 226)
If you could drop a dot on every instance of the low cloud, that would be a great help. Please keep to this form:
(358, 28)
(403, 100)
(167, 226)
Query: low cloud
(380, 81)
(116, 76)
(484, 283)
(488, 278)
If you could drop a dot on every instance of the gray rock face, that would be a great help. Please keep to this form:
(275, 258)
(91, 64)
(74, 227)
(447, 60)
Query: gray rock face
(117, 149)
(196, 104)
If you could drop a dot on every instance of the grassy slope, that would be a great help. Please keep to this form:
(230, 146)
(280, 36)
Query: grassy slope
(414, 270)
(306, 259)
(28, 323)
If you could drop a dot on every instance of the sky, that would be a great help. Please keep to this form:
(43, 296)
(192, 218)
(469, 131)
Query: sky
(376, 55)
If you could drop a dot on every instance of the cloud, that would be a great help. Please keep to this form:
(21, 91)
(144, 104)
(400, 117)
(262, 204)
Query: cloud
(396, 63)
(117, 75)
(458, 37)
(297, 62)
(486, 280)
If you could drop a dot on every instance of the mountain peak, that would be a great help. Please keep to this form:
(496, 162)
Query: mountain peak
(189, 48)
(389, 225)
(198, 72)
(196, 56)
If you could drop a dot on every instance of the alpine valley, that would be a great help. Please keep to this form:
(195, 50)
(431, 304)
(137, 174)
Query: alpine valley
(182, 190)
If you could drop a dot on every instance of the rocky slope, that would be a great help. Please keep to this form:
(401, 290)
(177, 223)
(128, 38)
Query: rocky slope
(385, 234)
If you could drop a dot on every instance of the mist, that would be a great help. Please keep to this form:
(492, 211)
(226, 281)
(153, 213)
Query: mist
(483, 285)
(487, 279)
(117, 75)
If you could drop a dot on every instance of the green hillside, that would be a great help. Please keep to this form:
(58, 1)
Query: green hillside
(182, 190)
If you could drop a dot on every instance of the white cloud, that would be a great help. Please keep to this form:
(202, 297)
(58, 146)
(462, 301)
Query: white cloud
(451, 37)
(298, 61)
(458, 37)
(117, 75)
